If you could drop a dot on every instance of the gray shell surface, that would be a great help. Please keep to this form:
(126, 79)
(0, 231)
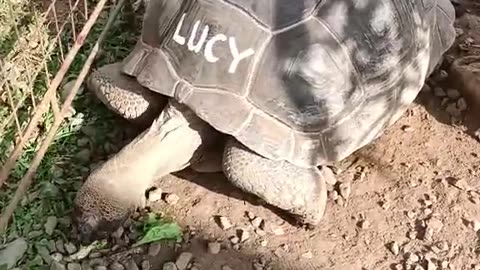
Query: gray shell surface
(306, 81)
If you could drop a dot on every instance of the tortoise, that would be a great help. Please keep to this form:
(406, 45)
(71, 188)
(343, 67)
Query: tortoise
(284, 87)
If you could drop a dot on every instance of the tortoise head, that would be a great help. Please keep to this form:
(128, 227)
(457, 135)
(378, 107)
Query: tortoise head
(97, 212)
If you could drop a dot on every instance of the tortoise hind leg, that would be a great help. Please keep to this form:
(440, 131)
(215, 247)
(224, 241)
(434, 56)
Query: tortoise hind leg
(125, 96)
(300, 191)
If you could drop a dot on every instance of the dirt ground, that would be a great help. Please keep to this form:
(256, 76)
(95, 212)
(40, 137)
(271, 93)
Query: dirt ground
(414, 199)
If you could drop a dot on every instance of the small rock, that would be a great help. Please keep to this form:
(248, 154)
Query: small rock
(50, 225)
(116, 266)
(276, 230)
(407, 128)
(234, 240)
(155, 195)
(462, 104)
(412, 234)
(83, 155)
(442, 74)
(307, 255)
(169, 266)
(118, 233)
(459, 183)
(225, 223)
(154, 249)
(257, 222)
(398, 266)
(250, 215)
(439, 92)
(453, 110)
(418, 267)
(364, 224)
(260, 232)
(131, 265)
(214, 247)
(226, 267)
(412, 258)
(172, 199)
(44, 253)
(100, 267)
(74, 266)
(183, 260)
(333, 195)
(13, 252)
(394, 248)
(70, 248)
(244, 235)
(444, 264)
(57, 257)
(428, 236)
(57, 266)
(453, 93)
(345, 189)
(435, 224)
(475, 225)
(264, 243)
(146, 265)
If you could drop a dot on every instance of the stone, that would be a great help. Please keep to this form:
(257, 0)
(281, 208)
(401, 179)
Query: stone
(226, 267)
(431, 265)
(116, 266)
(13, 252)
(83, 155)
(257, 222)
(225, 223)
(172, 199)
(74, 266)
(70, 248)
(345, 190)
(277, 230)
(154, 249)
(462, 104)
(412, 258)
(169, 266)
(412, 234)
(435, 224)
(439, 92)
(146, 265)
(183, 260)
(155, 195)
(453, 110)
(250, 215)
(394, 248)
(234, 240)
(57, 257)
(44, 253)
(333, 195)
(307, 255)
(244, 235)
(214, 247)
(118, 233)
(364, 224)
(100, 267)
(428, 236)
(50, 225)
(453, 93)
(131, 265)
(57, 266)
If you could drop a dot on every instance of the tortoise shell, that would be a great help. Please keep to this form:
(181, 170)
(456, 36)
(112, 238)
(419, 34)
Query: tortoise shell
(307, 81)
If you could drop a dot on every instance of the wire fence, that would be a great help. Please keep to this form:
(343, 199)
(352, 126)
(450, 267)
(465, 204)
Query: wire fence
(38, 43)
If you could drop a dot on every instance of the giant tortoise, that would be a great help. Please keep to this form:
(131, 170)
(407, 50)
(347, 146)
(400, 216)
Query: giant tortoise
(291, 85)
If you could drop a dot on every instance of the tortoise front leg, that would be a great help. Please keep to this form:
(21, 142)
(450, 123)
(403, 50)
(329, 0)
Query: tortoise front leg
(300, 191)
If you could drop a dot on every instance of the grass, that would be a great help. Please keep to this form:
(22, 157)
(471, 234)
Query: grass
(89, 135)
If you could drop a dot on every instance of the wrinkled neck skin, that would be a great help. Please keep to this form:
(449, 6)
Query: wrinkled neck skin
(166, 147)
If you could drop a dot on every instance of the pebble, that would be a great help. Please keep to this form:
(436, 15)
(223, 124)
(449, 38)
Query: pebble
(250, 215)
(462, 104)
(74, 266)
(244, 235)
(435, 224)
(118, 233)
(57, 257)
(172, 199)
(398, 266)
(412, 234)
(307, 255)
(278, 231)
(407, 128)
(475, 225)
(234, 240)
(453, 93)
(412, 258)
(131, 265)
(225, 223)
(394, 248)
(169, 266)
(70, 248)
(226, 267)
(13, 252)
(333, 195)
(214, 247)
(116, 266)
(146, 265)
(44, 253)
(154, 249)
(183, 260)
(439, 92)
(260, 232)
(459, 183)
(453, 110)
(364, 224)
(442, 74)
(428, 236)
(155, 195)
(50, 225)
(57, 266)
(345, 189)
(257, 222)
(83, 155)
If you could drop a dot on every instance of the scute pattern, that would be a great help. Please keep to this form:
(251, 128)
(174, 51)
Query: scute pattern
(328, 80)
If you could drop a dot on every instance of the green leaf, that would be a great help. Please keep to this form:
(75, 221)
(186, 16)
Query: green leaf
(161, 232)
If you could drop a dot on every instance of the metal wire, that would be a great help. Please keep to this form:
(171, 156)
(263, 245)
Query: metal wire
(17, 83)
